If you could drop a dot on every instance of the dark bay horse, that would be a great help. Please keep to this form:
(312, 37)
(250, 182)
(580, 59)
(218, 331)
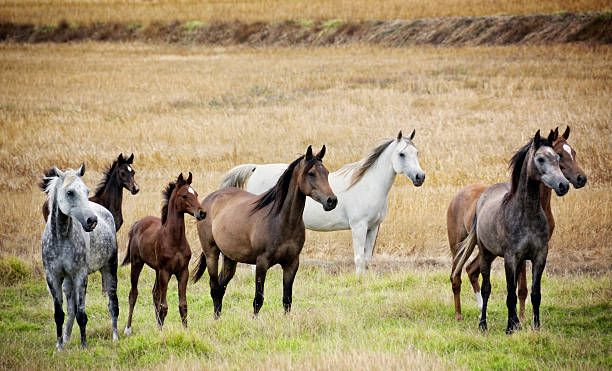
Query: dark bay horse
(161, 244)
(79, 238)
(264, 230)
(462, 208)
(512, 224)
(109, 192)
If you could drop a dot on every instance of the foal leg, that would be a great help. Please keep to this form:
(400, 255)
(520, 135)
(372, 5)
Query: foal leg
(538, 268)
(473, 271)
(289, 271)
(80, 289)
(162, 286)
(182, 278)
(109, 277)
(55, 286)
(68, 288)
(485, 258)
(511, 265)
(370, 240)
(359, 232)
(260, 279)
(134, 274)
(522, 289)
(456, 284)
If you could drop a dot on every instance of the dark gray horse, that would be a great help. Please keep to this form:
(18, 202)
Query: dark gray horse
(79, 239)
(510, 222)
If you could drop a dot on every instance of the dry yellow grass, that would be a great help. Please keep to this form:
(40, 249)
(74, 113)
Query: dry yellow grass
(39, 11)
(205, 110)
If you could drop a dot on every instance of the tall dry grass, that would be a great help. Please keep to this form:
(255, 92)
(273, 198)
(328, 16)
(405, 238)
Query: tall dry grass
(40, 11)
(206, 110)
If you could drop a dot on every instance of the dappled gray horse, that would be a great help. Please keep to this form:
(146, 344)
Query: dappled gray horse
(79, 238)
(510, 222)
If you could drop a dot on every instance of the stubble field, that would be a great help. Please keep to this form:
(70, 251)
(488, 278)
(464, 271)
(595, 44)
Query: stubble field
(207, 109)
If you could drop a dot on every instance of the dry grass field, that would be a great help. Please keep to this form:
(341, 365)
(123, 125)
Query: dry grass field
(207, 109)
(144, 11)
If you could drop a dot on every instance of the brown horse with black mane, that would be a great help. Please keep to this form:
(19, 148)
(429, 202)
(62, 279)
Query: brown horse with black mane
(462, 208)
(264, 230)
(162, 245)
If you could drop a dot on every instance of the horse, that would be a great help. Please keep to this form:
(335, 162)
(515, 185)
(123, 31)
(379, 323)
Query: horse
(109, 192)
(79, 238)
(511, 223)
(362, 188)
(461, 212)
(264, 230)
(161, 244)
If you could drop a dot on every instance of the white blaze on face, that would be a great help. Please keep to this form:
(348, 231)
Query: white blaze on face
(568, 149)
(129, 168)
(191, 191)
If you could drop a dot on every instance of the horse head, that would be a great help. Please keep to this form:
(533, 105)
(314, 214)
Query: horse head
(126, 174)
(567, 160)
(404, 158)
(186, 198)
(544, 164)
(313, 180)
(70, 195)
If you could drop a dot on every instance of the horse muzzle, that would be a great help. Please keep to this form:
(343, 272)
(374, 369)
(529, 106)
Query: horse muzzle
(581, 181)
(330, 203)
(562, 188)
(418, 179)
(90, 224)
(134, 189)
(200, 215)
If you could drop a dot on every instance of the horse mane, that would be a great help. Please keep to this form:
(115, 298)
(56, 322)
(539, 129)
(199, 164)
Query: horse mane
(46, 179)
(106, 177)
(515, 165)
(359, 168)
(277, 194)
(166, 200)
(50, 183)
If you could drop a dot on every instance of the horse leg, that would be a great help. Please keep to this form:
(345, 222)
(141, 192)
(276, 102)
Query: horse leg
(104, 291)
(227, 273)
(109, 277)
(522, 289)
(260, 279)
(538, 265)
(473, 271)
(485, 259)
(136, 268)
(456, 284)
(359, 232)
(289, 271)
(68, 289)
(163, 277)
(511, 265)
(54, 284)
(370, 240)
(182, 278)
(212, 265)
(80, 289)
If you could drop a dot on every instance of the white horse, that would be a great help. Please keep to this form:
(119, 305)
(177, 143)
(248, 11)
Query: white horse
(362, 188)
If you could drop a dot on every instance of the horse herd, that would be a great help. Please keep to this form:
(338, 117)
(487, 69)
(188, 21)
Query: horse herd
(264, 225)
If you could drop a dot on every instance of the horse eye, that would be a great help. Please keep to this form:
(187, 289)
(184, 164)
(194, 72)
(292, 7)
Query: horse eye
(541, 160)
(184, 197)
(402, 155)
(311, 173)
(70, 193)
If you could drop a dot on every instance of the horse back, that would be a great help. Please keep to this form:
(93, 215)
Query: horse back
(144, 236)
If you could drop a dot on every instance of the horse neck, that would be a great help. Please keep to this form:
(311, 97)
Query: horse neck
(292, 208)
(61, 223)
(527, 195)
(545, 194)
(112, 196)
(174, 228)
(382, 172)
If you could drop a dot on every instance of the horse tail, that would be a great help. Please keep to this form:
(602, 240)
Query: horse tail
(238, 176)
(126, 260)
(200, 268)
(44, 182)
(465, 249)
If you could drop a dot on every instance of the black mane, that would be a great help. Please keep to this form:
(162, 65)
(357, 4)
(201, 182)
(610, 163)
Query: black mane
(108, 173)
(166, 200)
(44, 182)
(277, 194)
(516, 164)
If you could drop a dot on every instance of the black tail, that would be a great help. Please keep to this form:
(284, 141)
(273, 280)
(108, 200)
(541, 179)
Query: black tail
(200, 268)
(44, 182)
(126, 260)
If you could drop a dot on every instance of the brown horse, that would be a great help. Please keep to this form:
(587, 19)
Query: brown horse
(462, 208)
(511, 223)
(162, 245)
(263, 230)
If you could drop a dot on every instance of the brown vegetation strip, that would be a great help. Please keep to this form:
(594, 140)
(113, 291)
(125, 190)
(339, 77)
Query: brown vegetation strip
(592, 28)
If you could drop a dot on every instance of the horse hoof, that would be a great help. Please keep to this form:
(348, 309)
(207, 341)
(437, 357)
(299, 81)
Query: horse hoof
(482, 326)
(66, 339)
(127, 331)
(458, 317)
(115, 336)
(83, 345)
(59, 347)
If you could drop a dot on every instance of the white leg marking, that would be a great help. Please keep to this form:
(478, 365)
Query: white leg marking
(479, 300)
(127, 331)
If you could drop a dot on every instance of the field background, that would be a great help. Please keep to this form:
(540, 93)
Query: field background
(206, 109)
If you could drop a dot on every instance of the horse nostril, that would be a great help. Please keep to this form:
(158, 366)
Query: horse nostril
(331, 201)
(92, 220)
(582, 179)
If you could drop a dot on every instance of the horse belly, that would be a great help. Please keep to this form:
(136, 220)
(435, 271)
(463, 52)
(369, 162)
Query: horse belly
(233, 242)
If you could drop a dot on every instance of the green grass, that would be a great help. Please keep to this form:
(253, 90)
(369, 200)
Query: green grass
(386, 313)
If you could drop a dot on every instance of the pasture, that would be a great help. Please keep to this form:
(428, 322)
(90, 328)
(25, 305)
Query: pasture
(207, 109)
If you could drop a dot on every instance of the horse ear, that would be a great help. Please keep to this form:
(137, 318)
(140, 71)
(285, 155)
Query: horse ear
(412, 135)
(536, 137)
(180, 178)
(131, 159)
(556, 133)
(58, 172)
(566, 133)
(399, 135)
(309, 153)
(81, 170)
(120, 158)
(321, 152)
(551, 137)
(189, 178)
